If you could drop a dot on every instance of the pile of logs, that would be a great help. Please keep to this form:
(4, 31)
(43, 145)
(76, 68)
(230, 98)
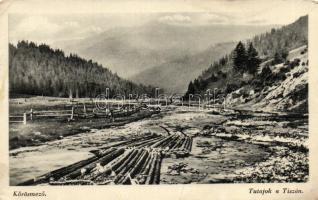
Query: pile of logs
(136, 161)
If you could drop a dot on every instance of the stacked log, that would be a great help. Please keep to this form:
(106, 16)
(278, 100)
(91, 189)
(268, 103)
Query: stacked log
(169, 143)
(112, 166)
(153, 170)
(139, 164)
(160, 142)
(126, 165)
(172, 143)
(120, 167)
(176, 144)
(143, 170)
(185, 143)
(136, 168)
(189, 145)
(137, 160)
(146, 142)
(112, 154)
(156, 179)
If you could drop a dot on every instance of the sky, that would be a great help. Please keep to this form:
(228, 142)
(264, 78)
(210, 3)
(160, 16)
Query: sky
(44, 24)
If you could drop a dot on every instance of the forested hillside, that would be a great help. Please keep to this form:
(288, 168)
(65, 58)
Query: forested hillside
(286, 38)
(266, 61)
(40, 70)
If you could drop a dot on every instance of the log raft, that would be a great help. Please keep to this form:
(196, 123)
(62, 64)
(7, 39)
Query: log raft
(135, 161)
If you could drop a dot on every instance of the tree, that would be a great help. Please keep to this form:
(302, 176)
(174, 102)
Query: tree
(39, 69)
(196, 85)
(280, 56)
(266, 73)
(253, 60)
(223, 60)
(191, 89)
(239, 57)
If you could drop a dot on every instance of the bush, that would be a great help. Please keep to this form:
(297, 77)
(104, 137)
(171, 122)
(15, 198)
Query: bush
(280, 56)
(231, 87)
(221, 74)
(245, 95)
(280, 76)
(266, 73)
(235, 95)
(295, 63)
(257, 82)
(213, 78)
(303, 51)
(297, 74)
(284, 70)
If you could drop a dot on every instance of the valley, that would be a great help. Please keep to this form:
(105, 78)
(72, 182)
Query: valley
(226, 147)
(234, 110)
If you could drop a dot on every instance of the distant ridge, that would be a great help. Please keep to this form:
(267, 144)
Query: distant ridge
(131, 50)
(173, 76)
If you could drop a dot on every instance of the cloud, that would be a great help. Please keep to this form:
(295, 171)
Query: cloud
(195, 19)
(175, 19)
(49, 29)
(212, 18)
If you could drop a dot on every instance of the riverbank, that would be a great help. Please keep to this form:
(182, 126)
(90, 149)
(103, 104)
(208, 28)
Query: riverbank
(225, 148)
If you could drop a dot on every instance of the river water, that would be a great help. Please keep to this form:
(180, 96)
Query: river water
(29, 162)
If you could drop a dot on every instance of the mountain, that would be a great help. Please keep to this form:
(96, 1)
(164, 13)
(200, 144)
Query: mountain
(289, 37)
(280, 81)
(41, 70)
(174, 75)
(131, 50)
(285, 88)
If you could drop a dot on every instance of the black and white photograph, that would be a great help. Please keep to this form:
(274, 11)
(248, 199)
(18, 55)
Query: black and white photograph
(160, 98)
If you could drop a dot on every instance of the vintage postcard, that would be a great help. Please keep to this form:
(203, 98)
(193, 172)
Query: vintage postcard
(159, 99)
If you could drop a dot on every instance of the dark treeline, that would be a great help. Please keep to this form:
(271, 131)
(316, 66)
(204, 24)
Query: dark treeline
(227, 73)
(41, 70)
(241, 60)
(282, 39)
